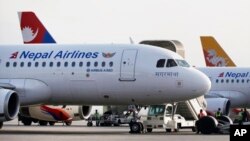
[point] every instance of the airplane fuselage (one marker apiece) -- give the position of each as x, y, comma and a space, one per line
232, 83
97, 74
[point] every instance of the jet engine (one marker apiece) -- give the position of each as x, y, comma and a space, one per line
9, 105
214, 103
85, 111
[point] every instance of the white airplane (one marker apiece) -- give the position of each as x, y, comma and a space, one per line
229, 83
94, 75
230, 88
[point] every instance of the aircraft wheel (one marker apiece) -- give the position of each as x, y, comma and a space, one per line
89, 124
68, 123
207, 125
26, 122
1, 125
135, 127
43, 123
52, 123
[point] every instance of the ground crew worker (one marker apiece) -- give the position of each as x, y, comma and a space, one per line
218, 113
97, 118
200, 115
240, 117
245, 115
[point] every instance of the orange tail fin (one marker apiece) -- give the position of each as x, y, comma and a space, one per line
214, 53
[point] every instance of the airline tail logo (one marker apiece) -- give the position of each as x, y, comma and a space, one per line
213, 59
213, 53
33, 30
221, 74
108, 55
28, 34
14, 55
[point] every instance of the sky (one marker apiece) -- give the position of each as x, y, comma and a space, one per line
114, 21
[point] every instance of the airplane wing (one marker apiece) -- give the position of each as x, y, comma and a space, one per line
7, 86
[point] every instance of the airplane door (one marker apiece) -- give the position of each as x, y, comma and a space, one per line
128, 61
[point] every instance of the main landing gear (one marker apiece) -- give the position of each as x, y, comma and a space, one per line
136, 127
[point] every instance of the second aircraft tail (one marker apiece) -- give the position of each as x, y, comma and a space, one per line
214, 53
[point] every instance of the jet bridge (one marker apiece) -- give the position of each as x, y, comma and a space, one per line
172, 45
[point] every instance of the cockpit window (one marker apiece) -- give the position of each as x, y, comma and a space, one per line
171, 63
182, 63
160, 63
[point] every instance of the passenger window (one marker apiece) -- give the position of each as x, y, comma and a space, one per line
65, 64
44, 64
103, 64
227, 80
51, 64
36, 64
171, 63
14, 64
217, 80
29, 64
111, 64
88, 64
80, 64
237, 80
96, 64
160, 63
21, 64
58, 64
7, 64
232, 80
248, 80
222, 80
242, 81
73, 64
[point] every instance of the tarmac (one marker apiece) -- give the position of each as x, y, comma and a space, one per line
78, 131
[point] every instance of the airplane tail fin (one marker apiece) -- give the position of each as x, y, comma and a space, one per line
214, 53
33, 30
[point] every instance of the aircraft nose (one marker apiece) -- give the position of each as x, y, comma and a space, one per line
201, 84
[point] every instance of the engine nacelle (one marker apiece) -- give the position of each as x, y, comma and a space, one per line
214, 103
85, 111
9, 105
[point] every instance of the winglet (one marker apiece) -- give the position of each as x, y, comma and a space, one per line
33, 30
214, 54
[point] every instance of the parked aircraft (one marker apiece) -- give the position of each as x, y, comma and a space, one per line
94, 75
229, 84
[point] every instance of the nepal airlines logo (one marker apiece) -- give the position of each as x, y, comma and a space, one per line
14, 55
28, 34
56, 55
234, 75
221, 74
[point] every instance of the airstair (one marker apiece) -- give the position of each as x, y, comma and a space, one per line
191, 108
